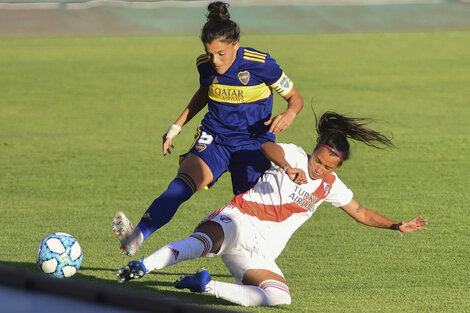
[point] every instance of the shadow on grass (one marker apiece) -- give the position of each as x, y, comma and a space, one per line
150, 284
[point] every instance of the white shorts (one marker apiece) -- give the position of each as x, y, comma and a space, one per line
243, 247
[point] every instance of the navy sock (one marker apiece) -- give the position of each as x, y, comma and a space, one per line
164, 207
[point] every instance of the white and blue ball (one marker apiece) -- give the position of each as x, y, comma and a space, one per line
59, 255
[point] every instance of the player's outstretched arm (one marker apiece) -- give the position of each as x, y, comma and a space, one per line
374, 219
416, 223
281, 122
275, 154
198, 101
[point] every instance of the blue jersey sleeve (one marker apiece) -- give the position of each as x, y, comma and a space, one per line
271, 71
203, 67
272, 74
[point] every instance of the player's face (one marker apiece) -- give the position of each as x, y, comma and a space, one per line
221, 54
322, 163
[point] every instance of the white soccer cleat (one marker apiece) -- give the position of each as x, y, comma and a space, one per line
126, 234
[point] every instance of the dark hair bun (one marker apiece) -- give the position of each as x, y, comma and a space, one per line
218, 11
219, 26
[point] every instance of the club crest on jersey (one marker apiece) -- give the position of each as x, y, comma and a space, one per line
244, 77
326, 188
201, 147
225, 219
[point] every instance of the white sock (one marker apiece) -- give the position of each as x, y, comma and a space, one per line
195, 246
269, 292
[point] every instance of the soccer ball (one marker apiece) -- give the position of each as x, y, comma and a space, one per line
59, 255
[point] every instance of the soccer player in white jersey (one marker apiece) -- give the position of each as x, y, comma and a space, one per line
251, 232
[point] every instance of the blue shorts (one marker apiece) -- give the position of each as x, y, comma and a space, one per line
246, 163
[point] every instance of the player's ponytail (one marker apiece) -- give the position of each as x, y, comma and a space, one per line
334, 130
219, 26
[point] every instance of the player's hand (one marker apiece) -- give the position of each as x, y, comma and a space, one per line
414, 224
281, 122
171, 133
296, 175
167, 145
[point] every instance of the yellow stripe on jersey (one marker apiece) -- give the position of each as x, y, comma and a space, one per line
254, 56
239, 94
253, 59
196, 137
254, 53
202, 56
283, 85
202, 62
202, 59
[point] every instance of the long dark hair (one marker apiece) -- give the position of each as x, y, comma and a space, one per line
334, 130
219, 25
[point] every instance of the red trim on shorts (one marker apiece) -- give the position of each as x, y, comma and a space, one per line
215, 213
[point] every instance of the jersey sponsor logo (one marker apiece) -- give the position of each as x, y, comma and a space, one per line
304, 199
229, 94
239, 94
308, 200
225, 219
244, 77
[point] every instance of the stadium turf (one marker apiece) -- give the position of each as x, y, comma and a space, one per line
81, 120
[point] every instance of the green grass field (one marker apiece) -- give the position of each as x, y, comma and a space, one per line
81, 120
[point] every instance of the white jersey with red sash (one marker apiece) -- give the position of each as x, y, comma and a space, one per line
276, 206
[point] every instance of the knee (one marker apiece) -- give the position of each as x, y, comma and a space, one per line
277, 293
181, 183
215, 232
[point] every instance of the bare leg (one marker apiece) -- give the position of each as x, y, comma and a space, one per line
197, 169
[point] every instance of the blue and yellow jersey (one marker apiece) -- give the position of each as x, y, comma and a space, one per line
241, 99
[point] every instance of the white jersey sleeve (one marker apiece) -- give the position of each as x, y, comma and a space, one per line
340, 195
294, 154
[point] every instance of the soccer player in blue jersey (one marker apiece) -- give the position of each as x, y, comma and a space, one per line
236, 83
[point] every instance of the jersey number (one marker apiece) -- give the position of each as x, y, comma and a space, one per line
205, 138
